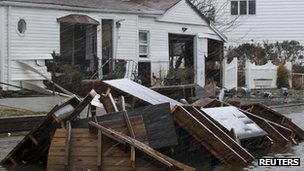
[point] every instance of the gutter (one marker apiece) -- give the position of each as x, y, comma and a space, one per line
1, 45
82, 9
221, 35
9, 8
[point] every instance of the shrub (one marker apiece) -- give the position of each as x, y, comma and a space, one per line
283, 76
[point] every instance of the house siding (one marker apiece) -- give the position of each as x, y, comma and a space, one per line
42, 37
159, 45
2, 42
275, 20
184, 14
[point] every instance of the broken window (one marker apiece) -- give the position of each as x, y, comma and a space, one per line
143, 37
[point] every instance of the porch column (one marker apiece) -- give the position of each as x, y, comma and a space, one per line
201, 52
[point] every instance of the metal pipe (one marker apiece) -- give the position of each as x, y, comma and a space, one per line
9, 44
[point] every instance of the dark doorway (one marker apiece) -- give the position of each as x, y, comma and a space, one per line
78, 46
181, 59
107, 47
144, 73
214, 62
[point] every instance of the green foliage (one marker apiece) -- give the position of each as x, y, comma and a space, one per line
283, 76
278, 52
297, 68
71, 78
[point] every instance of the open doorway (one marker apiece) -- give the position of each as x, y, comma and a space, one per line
78, 40
214, 67
144, 73
107, 47
181, 59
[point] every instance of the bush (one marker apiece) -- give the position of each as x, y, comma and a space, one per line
283, 76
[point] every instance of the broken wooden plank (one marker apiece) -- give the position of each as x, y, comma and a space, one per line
83, 104
132, 135
199, 115
42, 134
108, 102
121, 104
273, 133
269, 114
99, 151
67, 146
20, 123
156, 123
206, 137
142, 147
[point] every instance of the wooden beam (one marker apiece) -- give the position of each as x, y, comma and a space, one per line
269, 128
99, 150
211, 136
108, 102
274, 116
33, 139
67, 146
131, 132
121, 103
87, 100
139, 145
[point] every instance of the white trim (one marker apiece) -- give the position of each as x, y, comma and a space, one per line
177, 22
87, 9
2, 43
9, 9
148, 44
170, 9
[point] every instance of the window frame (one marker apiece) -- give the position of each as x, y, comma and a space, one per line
21, 33
248, 9
147, 44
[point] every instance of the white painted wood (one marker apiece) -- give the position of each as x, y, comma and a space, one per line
254, 73
2, 14
199, 62
182, 13
159, 45
275, 20
230, 75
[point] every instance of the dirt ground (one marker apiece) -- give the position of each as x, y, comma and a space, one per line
6, 111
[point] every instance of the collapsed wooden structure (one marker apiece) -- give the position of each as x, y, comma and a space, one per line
144, 130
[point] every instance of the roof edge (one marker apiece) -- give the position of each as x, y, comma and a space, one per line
78, 8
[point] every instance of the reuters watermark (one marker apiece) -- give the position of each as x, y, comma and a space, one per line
279, 162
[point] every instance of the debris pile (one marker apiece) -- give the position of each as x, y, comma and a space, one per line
131, 127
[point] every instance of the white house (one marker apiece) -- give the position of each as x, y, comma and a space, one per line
262, 20
88, 33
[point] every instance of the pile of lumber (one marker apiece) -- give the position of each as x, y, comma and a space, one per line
131, 127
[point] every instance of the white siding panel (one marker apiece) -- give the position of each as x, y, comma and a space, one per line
127, 38
2, 43
159, 45
20, 74
41, 36
183, 13
275, 20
